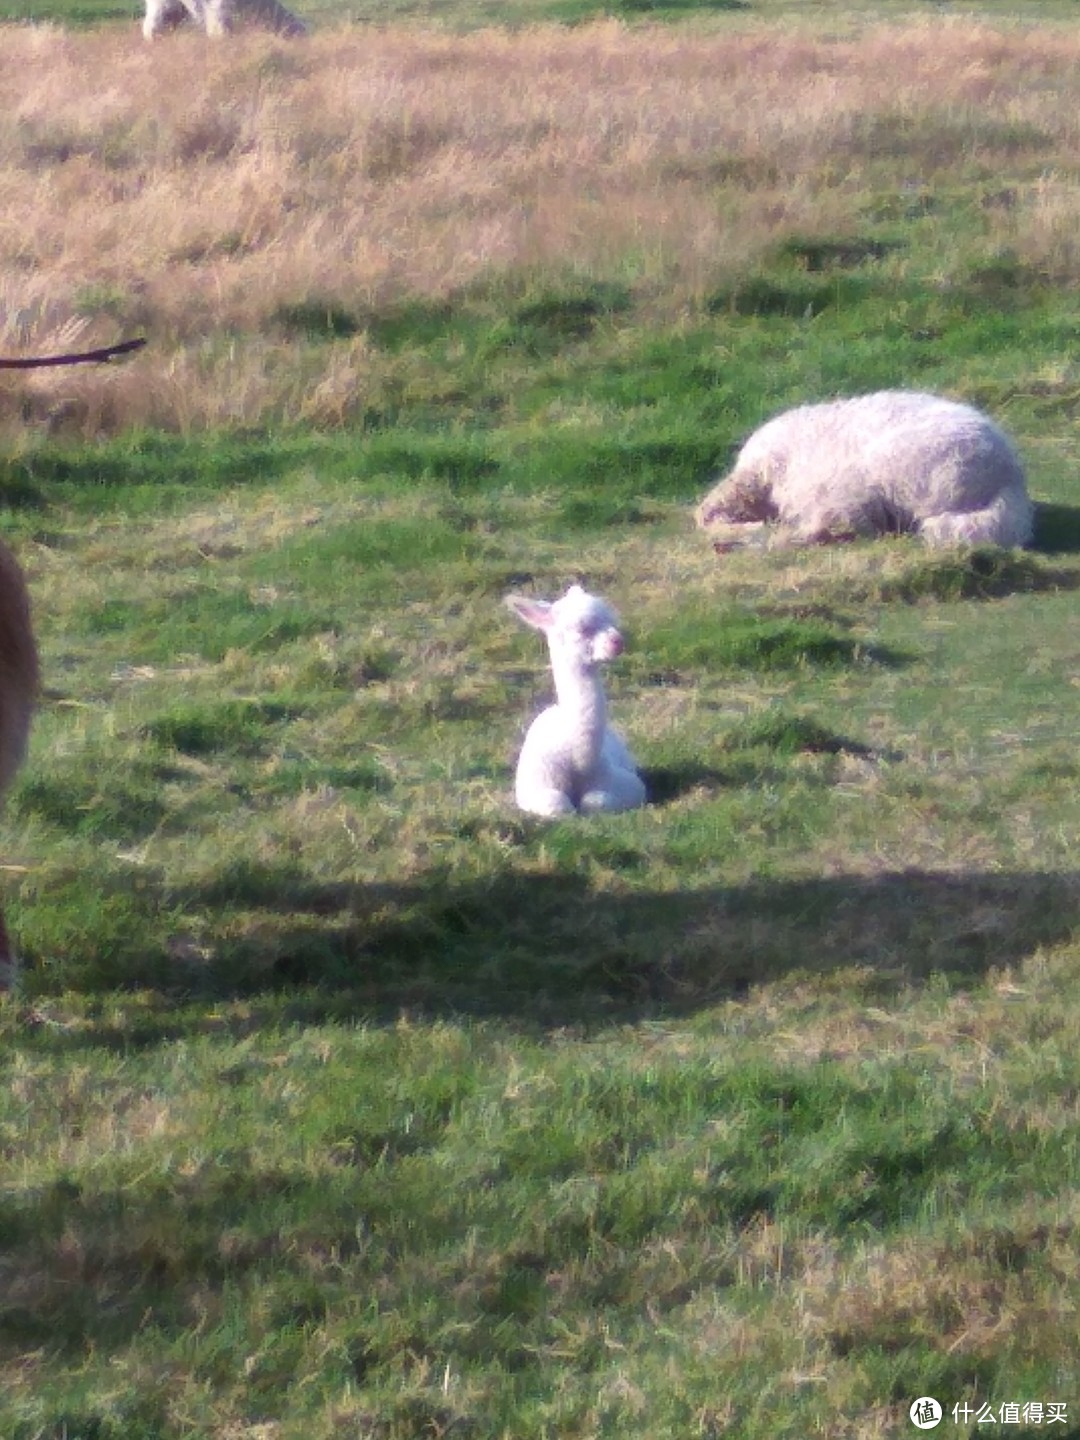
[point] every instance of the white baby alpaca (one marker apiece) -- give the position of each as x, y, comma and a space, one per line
894, 462
571, 760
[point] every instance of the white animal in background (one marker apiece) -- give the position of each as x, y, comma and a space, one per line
571, 760
218, 17
18, 694
894, 462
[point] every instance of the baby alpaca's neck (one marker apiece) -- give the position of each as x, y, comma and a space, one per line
581, 699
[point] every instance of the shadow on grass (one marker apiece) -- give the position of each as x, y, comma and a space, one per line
17, 491
751, 744
563, 943
282, 1250
83, 1265
1057, 529
983, 573
553, 949
761, 641
149, 459
579, 11
665, 783
153, 1251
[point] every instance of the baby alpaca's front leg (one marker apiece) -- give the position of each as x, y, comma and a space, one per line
595, 802
537, 800
614, 790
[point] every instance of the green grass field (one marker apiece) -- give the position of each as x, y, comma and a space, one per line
340, 1100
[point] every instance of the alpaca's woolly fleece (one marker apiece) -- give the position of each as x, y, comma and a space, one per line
218, 17
894, 462
571, 760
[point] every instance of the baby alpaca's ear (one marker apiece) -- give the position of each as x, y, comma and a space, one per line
536, 613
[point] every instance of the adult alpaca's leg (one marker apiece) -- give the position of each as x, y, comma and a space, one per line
168, 14
273, 16
216, 17
155, 19
18, 692
621, 790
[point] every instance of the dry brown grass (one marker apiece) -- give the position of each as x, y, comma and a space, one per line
193, 191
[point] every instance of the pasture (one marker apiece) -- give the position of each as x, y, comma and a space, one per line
341, 1100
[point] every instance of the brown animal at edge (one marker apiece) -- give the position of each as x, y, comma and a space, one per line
18, 693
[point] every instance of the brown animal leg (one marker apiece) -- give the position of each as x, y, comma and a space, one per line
7, 959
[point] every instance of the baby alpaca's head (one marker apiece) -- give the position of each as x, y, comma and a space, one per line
577, 624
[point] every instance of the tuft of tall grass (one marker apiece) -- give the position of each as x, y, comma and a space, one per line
306, 236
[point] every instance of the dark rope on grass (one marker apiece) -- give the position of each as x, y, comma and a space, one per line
81, 357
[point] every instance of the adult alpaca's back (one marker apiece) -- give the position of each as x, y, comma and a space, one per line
892, 462
571, 760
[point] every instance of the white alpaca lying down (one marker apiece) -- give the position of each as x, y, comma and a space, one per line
217, 17
890, 463
571, 760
